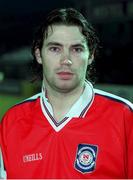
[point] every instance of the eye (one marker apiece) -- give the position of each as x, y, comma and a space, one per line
77, 49
54, 49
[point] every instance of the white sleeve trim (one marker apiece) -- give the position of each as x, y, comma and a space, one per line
114, 97
2, 170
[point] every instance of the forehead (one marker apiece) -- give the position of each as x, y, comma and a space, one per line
67, 34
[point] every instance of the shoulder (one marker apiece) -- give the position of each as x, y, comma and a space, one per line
113, 99
22, 109
27, 103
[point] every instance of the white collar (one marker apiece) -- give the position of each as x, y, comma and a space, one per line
78, 109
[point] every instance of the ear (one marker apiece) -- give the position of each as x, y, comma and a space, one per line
38, 55
91, 58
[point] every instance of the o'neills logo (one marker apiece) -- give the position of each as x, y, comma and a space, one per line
32, 157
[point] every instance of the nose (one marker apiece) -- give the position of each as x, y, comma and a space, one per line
65, 59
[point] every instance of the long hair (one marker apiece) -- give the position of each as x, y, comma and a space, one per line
68, 16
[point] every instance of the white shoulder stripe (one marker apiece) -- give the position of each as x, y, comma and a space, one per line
33, 97
101, 92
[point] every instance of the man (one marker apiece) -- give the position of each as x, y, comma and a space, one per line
70, 129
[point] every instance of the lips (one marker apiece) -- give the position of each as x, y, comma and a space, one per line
65, 75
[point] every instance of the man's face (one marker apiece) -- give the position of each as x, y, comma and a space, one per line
64, 57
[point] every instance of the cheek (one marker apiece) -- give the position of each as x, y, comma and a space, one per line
51, 59
81, 62
85, 59
82, 67
49, 66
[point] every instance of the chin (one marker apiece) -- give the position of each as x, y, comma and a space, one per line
66, 87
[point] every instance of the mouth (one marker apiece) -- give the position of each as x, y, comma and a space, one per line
65, 75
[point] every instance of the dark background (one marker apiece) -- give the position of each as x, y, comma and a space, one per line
113, 20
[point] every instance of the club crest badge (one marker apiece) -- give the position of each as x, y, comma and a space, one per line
86, 158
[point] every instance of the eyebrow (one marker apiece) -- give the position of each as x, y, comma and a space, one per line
73, 45
78, 45
53, 44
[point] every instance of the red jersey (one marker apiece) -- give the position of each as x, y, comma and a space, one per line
96, 144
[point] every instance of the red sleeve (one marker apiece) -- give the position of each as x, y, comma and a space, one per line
6, 124
129, 140
3, 141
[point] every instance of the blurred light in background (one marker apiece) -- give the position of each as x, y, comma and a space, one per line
1, 76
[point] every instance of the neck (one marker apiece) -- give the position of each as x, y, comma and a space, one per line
55, 96
62, 101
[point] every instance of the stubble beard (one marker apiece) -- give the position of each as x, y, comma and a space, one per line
63, 87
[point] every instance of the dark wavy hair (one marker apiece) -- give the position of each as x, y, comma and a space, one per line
66, 16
